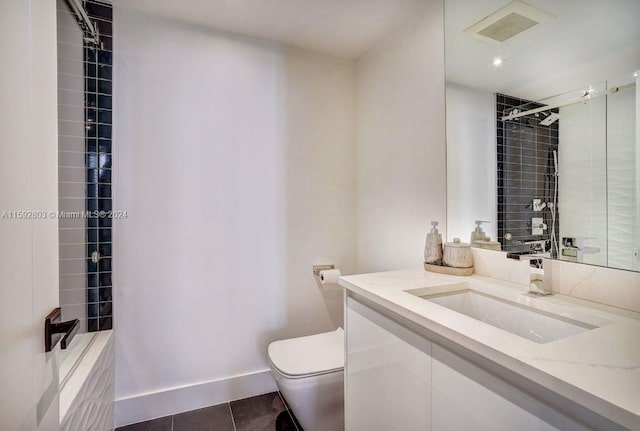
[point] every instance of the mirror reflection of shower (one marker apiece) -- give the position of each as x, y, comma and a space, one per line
528, 136
532, 139
85, 43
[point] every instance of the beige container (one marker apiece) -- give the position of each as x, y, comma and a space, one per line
457, 254
433, 246
433, 249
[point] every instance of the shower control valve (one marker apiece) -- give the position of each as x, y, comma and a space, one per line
538, 226
95, 256
538, 205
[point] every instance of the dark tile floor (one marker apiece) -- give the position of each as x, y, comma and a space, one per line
262, 413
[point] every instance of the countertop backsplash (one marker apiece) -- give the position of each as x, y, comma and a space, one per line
614, 287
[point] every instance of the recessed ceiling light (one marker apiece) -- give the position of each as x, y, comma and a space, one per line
635, 74
497, 61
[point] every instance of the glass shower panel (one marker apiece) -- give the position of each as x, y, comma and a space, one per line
622, 176
72, 184
583, 181
85, 162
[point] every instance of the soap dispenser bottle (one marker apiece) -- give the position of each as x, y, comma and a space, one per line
478, 234
433, 246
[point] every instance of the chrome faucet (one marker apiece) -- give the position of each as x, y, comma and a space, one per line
540, 276
540, 273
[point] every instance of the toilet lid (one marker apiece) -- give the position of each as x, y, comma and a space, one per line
312, 355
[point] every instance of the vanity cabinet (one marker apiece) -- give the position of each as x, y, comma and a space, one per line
397, 379
465, 397
387, 374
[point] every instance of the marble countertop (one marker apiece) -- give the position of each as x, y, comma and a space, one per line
598, 369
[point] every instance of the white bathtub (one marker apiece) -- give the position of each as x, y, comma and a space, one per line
86, 383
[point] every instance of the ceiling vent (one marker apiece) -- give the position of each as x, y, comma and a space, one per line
512, 20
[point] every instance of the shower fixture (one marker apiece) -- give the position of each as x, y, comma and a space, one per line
585, 96
538, 204
553, 207
91, 33
552, 118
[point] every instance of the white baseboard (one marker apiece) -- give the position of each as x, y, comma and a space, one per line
185, 398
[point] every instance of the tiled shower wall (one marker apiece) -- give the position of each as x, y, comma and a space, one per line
525, 169
84, 114
98, 101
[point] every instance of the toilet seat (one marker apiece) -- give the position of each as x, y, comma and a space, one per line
313, 355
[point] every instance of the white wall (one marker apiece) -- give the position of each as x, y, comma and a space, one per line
401, 172
471, 161
28, 181
235, 159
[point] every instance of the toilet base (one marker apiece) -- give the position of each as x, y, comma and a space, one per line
286, 421
316, 401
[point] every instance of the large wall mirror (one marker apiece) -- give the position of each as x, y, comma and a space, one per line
542, 114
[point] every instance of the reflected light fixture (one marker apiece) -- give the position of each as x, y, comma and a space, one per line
497, 62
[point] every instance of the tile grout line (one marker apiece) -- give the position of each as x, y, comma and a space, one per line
233, 421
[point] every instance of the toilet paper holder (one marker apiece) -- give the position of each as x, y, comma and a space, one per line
318, 268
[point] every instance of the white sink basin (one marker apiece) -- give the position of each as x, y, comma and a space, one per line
530, 323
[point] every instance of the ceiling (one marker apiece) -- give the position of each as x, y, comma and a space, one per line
586, 42
344, 28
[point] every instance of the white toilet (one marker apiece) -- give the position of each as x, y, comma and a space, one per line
310, 374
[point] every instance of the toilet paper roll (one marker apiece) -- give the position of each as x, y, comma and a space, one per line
329, 276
